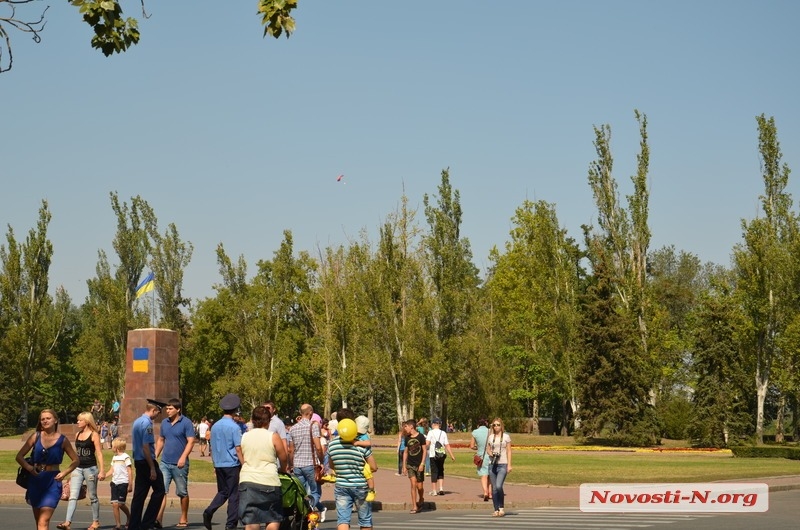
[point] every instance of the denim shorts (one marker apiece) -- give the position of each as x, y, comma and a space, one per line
179, 475
260, 504
349, 499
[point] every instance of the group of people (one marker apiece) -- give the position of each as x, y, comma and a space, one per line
45, 487
247, 466
247, 463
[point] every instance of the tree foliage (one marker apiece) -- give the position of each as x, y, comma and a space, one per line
112, 32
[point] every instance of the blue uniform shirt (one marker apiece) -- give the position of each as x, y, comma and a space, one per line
143, 434
226, 436
175, 438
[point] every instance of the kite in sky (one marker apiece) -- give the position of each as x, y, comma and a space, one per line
340, 178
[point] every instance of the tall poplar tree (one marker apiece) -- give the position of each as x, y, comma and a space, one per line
619, 249
766, 267
454, 279
32, 321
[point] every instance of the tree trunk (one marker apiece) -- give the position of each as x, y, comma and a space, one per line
779, 421
371, 409
761, 394
535, 418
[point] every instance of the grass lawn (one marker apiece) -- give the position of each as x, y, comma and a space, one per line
563, 468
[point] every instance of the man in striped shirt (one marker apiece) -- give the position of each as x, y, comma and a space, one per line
350, 490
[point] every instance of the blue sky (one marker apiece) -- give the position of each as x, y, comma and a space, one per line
235, 138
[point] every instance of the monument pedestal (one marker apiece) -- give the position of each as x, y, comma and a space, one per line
151, 371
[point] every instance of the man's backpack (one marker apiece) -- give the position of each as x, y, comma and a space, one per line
438, 450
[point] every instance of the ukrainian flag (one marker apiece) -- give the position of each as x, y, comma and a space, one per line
141, 359
147, 285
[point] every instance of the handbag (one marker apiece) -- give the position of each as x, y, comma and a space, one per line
65, 491
478, 460
319, 469
23, 475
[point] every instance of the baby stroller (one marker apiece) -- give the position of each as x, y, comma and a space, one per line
296, 505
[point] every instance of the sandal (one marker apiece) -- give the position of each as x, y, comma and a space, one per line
64, 526
414, 511
182, 525
496, 514
94, 526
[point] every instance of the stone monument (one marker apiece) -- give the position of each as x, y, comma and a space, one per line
151, 371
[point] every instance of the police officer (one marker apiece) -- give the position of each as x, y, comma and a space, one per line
148, 475
226, 455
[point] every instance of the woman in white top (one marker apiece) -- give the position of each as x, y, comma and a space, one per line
498, 451
260, 500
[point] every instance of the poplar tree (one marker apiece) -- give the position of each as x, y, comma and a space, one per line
618, 250
766, 268
534, 286
454, 281
31, 321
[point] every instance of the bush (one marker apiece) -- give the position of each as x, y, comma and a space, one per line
766, 451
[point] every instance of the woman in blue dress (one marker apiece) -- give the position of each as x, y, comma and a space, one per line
44, 485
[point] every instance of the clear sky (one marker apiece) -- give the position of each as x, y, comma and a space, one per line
235, 138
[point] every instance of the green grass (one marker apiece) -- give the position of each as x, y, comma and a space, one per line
562, 468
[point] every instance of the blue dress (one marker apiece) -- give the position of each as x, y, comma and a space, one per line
44, 491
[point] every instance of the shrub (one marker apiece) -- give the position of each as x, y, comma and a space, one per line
766, 451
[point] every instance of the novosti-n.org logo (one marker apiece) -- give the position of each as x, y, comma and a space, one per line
712, 497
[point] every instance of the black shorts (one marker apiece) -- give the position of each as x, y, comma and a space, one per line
119, 493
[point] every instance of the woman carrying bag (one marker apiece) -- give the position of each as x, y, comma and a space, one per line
44, 483
90, 468
478, 444
498, 450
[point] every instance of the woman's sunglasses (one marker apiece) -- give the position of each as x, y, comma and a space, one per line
495, 425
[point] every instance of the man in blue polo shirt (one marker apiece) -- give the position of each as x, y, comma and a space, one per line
148, 475
174, 445
226, 455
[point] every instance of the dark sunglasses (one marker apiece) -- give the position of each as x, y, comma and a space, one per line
495, 425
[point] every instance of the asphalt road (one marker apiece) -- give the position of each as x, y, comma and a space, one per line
782, 514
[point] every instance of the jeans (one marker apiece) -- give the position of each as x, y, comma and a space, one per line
89, 474
348, 498
497, 476
179, 475
305, 475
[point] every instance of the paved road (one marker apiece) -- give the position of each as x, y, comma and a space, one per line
781, 516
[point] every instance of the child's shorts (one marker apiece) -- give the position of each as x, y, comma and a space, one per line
119, 493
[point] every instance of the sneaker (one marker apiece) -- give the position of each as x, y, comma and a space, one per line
322, 515
441, 492
207, 520
432, 494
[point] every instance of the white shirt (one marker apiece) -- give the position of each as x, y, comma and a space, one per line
120, 464
435, 435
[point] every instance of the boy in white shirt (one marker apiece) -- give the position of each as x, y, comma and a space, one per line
121, 480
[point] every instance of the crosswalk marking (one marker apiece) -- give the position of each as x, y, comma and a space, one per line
541, 518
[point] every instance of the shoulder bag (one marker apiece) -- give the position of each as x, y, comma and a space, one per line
23, 475
478, 460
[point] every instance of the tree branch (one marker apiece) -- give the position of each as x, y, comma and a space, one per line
33, 27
